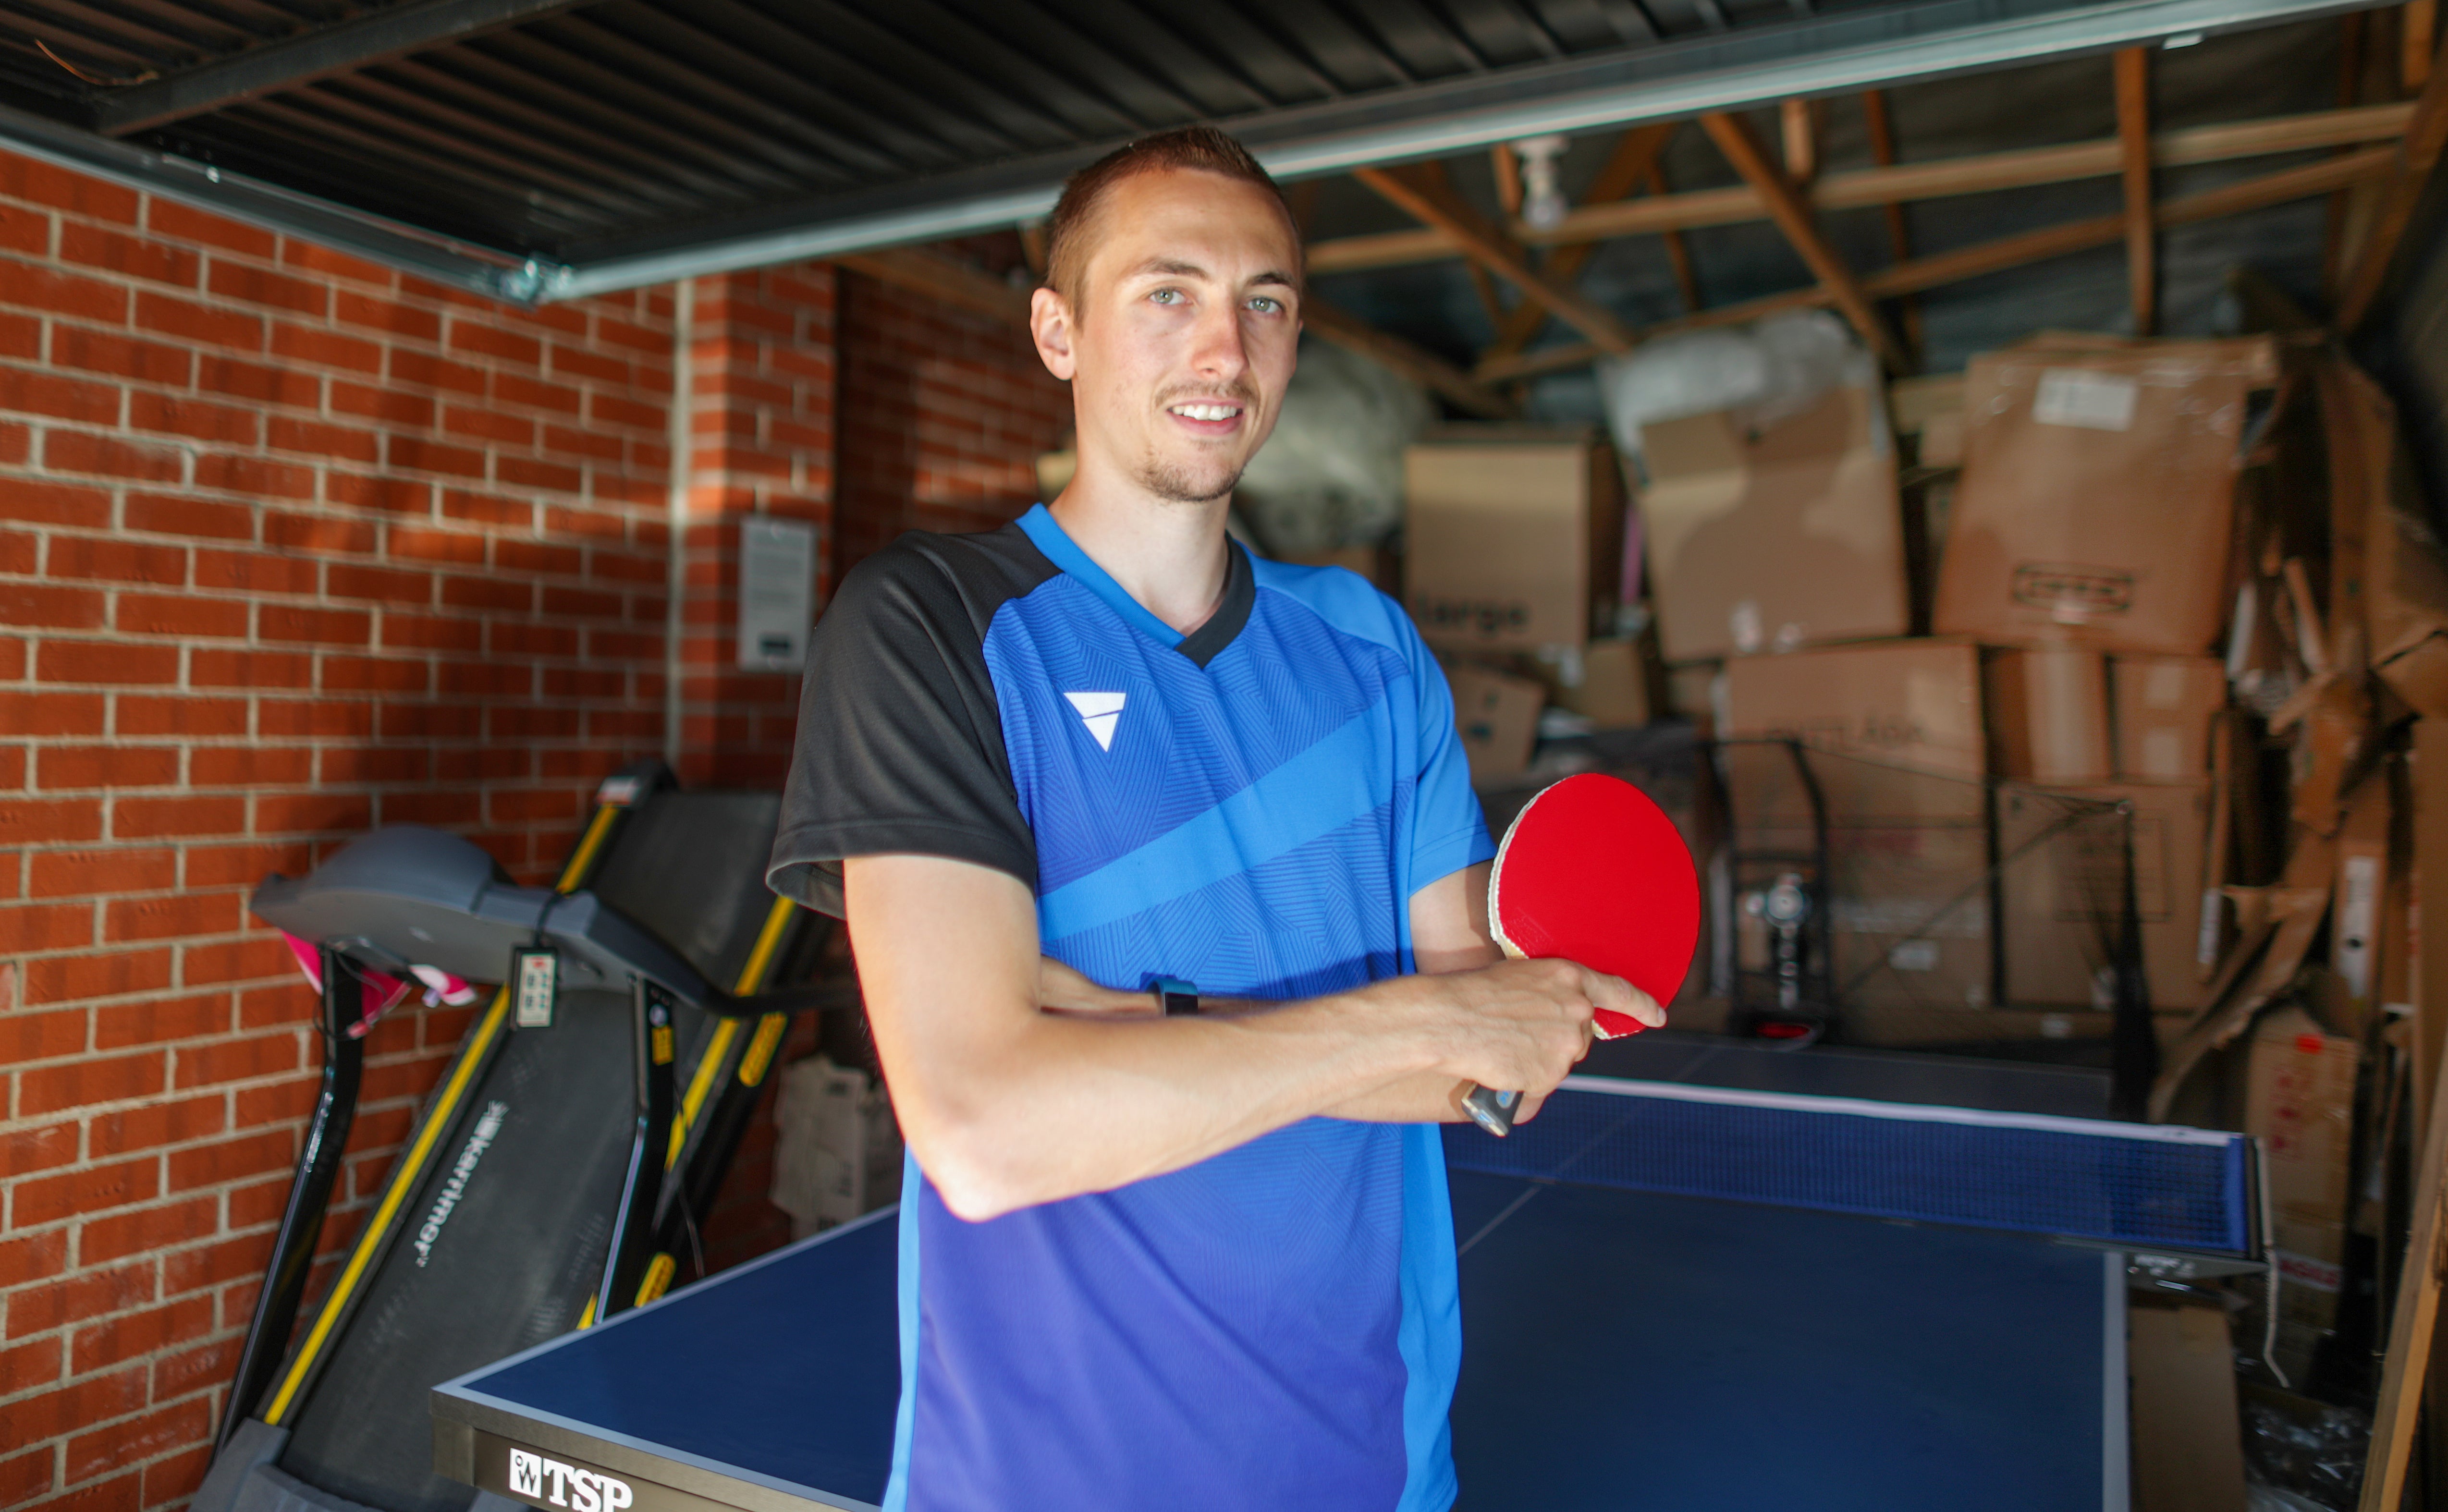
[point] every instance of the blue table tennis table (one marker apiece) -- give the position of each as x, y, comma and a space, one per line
1673, 1298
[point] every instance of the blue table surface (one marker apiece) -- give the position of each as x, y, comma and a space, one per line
1620, 1349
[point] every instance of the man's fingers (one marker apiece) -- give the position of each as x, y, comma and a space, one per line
1615, 995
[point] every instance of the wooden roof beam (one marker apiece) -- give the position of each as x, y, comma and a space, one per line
1635, 159
1426, 198
2418, 153
2133, 138
1861, 187
1792, 216
1348, 330
1982, 259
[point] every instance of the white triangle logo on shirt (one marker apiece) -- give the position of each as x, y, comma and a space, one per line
1100, 711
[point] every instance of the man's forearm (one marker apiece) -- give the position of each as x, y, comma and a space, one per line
1072, 1103
1425, 1097
1006, 1103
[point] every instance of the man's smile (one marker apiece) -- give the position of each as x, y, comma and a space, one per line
1213, 417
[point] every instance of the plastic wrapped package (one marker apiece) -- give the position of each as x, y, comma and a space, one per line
1769, 370
1331, 475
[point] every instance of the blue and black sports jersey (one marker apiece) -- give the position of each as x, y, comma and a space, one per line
1249, 807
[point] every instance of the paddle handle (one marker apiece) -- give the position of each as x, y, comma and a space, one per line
1491, 1110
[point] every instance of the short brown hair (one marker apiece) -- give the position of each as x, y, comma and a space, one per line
1197, 149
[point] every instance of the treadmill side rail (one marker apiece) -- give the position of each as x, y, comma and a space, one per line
632, 1249
310, 1194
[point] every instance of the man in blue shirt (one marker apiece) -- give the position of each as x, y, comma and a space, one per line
1167, 888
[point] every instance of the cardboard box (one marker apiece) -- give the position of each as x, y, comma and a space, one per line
1931, 408
1513, 537
1497, 714
2299, 1103
1901, 718
2404, 572
1692, 692
2060, 897
2187, 1444
2164, 707
1608, 681
837, 1149
2098, 494
2048, 713
1908, 916
2358, 907
1771, 538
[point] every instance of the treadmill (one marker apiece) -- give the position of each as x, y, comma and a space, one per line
556, 1173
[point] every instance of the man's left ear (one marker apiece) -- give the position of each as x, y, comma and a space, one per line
1049, 326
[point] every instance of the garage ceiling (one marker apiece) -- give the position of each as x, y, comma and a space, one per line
540, 148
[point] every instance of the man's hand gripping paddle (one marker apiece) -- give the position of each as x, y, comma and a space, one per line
1591, 870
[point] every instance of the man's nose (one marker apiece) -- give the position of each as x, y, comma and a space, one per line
1216, 347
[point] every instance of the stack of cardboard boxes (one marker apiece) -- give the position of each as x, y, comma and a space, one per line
1513, 572
2187, 583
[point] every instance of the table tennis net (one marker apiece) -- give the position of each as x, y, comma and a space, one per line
2147, 1185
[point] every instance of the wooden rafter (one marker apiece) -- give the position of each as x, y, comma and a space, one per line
1347, 330
2353, 28
1634, 158
1882, 131
2133, 137
1427, 199
1792, 216
2418, 153
1922, 273
1861, 188
2413, 1319
1678, 252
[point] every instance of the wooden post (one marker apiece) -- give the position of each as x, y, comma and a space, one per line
1882, 129
2418, 44
2133, 137
1678, 252
2415, 1319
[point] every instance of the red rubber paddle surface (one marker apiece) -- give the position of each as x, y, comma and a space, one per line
1592, 870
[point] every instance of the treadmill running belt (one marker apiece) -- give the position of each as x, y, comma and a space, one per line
499, 1252
691, 867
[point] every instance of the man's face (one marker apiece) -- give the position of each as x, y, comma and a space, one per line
1186, 332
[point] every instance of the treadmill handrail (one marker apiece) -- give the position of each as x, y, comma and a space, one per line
453, 912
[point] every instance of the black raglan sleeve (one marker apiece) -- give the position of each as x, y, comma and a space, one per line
900, 746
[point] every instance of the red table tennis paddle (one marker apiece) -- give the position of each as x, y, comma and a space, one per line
1592, 870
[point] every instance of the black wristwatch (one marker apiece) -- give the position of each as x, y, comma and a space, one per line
1174, 998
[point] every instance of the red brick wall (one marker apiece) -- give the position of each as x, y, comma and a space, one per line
949, 411
289, 546
761, 380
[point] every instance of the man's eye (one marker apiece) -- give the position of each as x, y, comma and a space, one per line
1166, 297
1266, 304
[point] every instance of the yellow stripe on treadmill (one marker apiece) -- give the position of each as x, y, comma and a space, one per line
596, 830
402, 1182
405, 1176
659, 1278
709, 1065
760, 1049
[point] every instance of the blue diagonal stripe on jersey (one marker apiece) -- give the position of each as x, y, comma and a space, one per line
1315, 793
